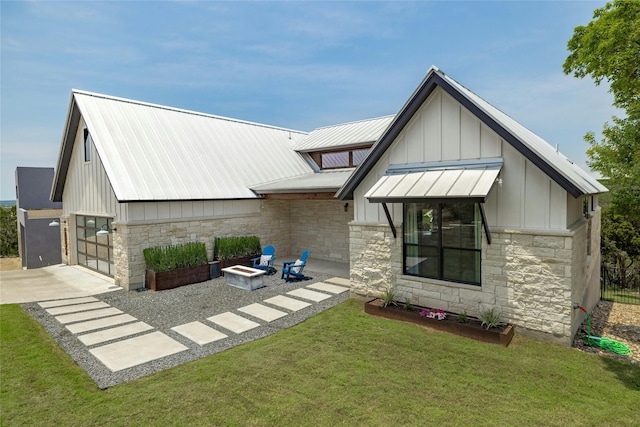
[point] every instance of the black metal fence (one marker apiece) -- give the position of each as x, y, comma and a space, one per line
620, 284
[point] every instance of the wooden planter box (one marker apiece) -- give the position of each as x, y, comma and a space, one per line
178, 277
245, 260
473, 329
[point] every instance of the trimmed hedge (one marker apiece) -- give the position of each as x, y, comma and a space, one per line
236, 247
165, 258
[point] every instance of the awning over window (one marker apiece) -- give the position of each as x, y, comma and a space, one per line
447, 182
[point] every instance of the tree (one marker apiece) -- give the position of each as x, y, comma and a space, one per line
608, 48
8, 231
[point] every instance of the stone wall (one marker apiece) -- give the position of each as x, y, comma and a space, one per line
527, 275
322, 226
271, 225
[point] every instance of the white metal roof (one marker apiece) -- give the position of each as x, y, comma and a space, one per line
323, 181
344, 135
459, 181
578, 176
152, 152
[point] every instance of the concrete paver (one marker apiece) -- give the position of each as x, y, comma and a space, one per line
328, 287
233, 322
86, 315
340, 281
308, 295
199, 333
111, 334
263, 312
104, 322
71, 301
288, 303
66, 309
136, 351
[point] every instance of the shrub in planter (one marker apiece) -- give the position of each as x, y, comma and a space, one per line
172, 266
236, 250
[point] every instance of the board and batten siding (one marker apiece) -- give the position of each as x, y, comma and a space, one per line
87, 190
442, 129
185, 210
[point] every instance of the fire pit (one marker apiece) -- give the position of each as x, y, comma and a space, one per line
246, 278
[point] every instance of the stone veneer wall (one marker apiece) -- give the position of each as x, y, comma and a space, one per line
271, 225
322, 226
528, 275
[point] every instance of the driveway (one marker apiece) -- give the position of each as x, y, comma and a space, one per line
53, 282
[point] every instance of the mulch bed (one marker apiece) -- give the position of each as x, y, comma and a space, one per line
617, 321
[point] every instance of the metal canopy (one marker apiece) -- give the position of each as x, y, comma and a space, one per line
454, 181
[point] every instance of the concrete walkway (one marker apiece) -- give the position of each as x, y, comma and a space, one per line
120, 341
53, 282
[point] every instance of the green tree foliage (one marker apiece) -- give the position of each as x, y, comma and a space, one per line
608, 48
620, 244
8, 231
617, 157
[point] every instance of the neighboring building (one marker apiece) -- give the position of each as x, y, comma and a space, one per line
451, 201
38, 243
461, 208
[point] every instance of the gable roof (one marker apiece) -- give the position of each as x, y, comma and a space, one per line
569, 176
345, 135
153, 153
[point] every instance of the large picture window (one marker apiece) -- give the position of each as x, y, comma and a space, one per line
443, 241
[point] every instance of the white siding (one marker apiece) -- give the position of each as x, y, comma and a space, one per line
165, 211
442, 129
87, 189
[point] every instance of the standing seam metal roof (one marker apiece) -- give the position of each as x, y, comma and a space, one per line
345, 135
152, 152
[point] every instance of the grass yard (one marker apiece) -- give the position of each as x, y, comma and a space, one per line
341, 367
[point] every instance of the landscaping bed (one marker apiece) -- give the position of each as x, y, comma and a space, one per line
462, 325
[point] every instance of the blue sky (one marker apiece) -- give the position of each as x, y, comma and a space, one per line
298, 65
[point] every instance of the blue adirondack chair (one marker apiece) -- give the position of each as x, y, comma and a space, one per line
293, 269
265, 262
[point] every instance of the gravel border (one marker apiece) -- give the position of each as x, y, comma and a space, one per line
164, 310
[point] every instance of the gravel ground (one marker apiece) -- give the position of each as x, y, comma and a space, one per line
617, 321
166, 309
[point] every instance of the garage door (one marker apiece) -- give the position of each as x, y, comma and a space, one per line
95, 243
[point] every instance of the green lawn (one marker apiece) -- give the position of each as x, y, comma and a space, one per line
341, 367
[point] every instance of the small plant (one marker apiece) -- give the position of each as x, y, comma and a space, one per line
407, 305
434, 314
491, 318
388, 297
463, 318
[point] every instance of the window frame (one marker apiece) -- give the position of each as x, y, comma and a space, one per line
87, 146
440, 245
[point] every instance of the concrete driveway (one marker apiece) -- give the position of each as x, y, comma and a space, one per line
53, 282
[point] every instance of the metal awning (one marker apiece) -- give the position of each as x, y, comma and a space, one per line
467, 181
448, 182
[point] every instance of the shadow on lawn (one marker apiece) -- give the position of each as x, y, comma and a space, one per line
628, 374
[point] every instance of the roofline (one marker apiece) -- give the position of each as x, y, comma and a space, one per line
180, 110
339, 147
354, 122
66, 147
420, 95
